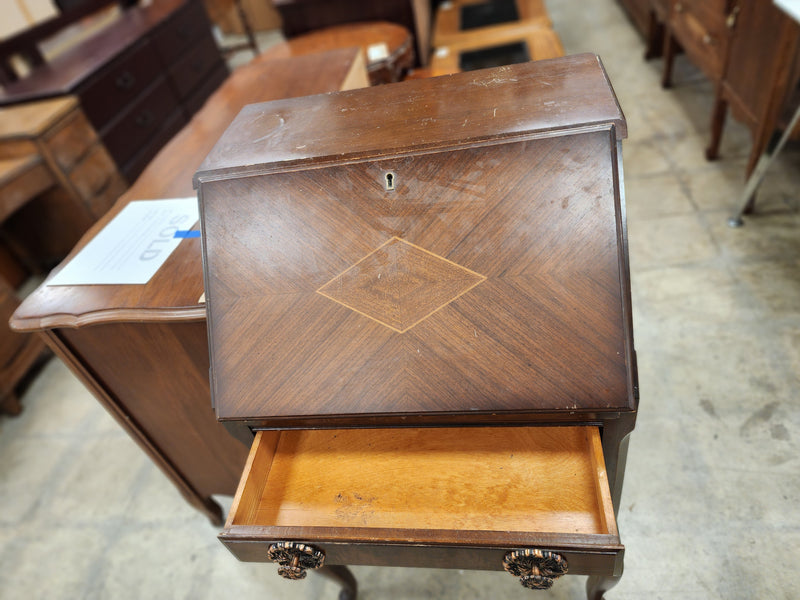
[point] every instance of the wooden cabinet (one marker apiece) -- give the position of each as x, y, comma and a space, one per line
139, 80
450, 252
18, 352
148, 90
82, 181
765, 48
735, 44
703, 29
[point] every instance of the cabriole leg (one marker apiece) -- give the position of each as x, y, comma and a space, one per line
596, 586
344, 577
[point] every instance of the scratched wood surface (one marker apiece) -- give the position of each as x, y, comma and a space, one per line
490, 281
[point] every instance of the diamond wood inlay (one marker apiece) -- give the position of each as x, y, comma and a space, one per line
400, 284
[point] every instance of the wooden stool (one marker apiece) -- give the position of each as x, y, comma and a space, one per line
455, 19
388, 47
500, 46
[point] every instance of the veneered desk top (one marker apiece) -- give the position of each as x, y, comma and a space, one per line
173, 293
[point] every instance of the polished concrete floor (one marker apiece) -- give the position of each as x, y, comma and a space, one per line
711, 506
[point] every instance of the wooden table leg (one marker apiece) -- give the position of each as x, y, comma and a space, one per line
717, 123
669, 58
344, 577
615, 448
596, 586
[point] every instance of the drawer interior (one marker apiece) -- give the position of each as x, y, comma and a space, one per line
511, 479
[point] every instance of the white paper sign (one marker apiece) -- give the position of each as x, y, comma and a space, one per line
132, 247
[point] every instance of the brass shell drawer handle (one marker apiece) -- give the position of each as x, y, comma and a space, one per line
294, 558
536, 569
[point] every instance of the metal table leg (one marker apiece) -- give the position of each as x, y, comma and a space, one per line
748, 198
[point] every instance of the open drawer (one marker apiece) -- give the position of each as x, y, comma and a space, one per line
449, 498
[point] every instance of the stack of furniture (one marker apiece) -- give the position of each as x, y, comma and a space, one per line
475, 34
136, 80
424, 317
748, 49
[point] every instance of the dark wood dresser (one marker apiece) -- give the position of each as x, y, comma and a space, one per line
418, 300
139, 80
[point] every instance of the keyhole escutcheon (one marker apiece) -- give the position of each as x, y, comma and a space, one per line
390, 181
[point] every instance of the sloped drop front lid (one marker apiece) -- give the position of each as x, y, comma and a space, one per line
485, 280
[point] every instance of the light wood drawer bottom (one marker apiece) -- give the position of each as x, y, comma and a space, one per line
446, 498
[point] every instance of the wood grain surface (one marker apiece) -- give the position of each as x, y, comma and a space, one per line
423, 114
482, 479
492, 280
458, 495
173, 293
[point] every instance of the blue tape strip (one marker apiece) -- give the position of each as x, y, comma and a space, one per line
187, 234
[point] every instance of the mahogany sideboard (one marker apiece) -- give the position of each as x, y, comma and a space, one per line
418, 297
135, 80
142, 349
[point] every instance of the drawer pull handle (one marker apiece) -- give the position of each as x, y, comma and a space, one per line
731, 20
294, 558
125, 81
145, 118
536, 569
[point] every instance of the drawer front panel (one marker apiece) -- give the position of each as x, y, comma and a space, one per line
107, 95
93, 173
139, 161
581, 561
198, 97
71, 141
100, 203
181, 32
141, 123
187, 72
700, 28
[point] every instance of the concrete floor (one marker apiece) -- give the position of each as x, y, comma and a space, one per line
711, 503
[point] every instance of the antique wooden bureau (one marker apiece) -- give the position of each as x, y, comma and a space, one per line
418, 299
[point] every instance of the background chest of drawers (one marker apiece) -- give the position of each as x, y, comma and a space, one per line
136, 79
449, 253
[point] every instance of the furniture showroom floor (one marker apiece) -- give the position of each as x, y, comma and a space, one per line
711, 506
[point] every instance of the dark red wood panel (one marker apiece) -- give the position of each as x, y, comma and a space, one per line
487, 281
